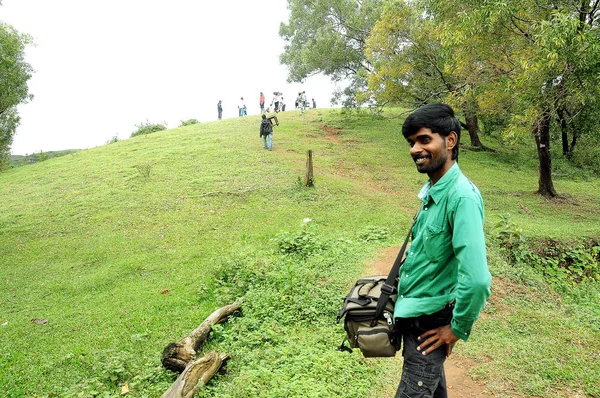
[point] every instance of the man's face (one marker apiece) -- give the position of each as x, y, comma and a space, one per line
429, 152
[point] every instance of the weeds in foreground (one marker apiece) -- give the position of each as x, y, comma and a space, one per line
144, 169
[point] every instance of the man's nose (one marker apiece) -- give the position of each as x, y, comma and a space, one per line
415, 149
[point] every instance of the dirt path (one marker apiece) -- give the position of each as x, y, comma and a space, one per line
460, 384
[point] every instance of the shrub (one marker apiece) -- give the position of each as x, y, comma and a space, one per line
148, 128
188, 122
303, 243
375, 234
587, 158
576, 261
113, 139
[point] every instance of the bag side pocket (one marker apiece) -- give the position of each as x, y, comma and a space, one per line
378, 341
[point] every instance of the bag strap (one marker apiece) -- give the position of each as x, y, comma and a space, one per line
389, 286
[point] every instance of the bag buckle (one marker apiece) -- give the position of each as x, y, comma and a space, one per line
388, 318
387, 289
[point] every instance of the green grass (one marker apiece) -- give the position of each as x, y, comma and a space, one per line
89, 241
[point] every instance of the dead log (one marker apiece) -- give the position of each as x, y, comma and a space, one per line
196, 375
176, 356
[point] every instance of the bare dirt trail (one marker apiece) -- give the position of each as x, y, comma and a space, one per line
460, 384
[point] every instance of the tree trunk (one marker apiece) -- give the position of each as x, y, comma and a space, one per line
473, 128
196, 375
562, 122
176, 356
573, 142
541, 132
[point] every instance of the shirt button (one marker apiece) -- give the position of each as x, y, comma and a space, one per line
412, 253
407, 275
401, 296
426, 208
427, 237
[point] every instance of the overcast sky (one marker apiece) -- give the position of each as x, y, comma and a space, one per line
104, 67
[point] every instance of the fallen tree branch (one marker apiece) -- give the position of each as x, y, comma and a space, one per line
196, 375
176, 356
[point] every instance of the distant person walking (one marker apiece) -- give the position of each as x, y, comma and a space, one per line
314, 103
275, 101
303, 102
242, 107
220, 110
266, 131
262, 102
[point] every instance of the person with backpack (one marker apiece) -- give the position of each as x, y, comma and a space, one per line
266, 131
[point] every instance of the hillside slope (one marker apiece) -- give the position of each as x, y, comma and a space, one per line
127, 247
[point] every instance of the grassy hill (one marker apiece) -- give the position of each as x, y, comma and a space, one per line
127, 247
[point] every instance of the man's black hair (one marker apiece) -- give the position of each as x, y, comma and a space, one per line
438, 117
264, 116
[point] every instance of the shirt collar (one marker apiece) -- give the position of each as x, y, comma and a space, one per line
436, 192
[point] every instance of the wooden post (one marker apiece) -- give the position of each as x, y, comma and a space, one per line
309, 179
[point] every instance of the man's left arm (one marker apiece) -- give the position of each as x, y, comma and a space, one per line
474, 278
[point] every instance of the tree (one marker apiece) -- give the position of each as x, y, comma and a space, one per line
329, 37
411, 66
14, 74
548, 54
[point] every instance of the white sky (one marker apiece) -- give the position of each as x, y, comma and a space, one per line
104, 66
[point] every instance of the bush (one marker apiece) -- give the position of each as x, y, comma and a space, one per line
576, 261
372, 233
113, 139
303, 243
148, 128
188, 122
587, 158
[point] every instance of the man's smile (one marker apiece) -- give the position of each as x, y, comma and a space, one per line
420, 159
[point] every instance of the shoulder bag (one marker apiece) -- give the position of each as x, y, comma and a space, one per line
368, 312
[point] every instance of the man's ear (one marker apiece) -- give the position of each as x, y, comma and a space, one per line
451, 140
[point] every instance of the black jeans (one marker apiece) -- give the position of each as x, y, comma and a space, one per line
422, 375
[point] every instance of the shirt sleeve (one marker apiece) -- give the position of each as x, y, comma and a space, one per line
474, 278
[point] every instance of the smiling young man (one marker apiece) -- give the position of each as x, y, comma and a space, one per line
444, 281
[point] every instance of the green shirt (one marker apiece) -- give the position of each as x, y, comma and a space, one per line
446, 260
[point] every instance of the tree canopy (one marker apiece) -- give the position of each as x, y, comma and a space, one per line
14, 74
538, 63
531, 67
329, 37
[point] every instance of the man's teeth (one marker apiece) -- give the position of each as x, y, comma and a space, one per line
420, 160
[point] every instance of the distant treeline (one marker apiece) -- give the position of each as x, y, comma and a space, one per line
20, 160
